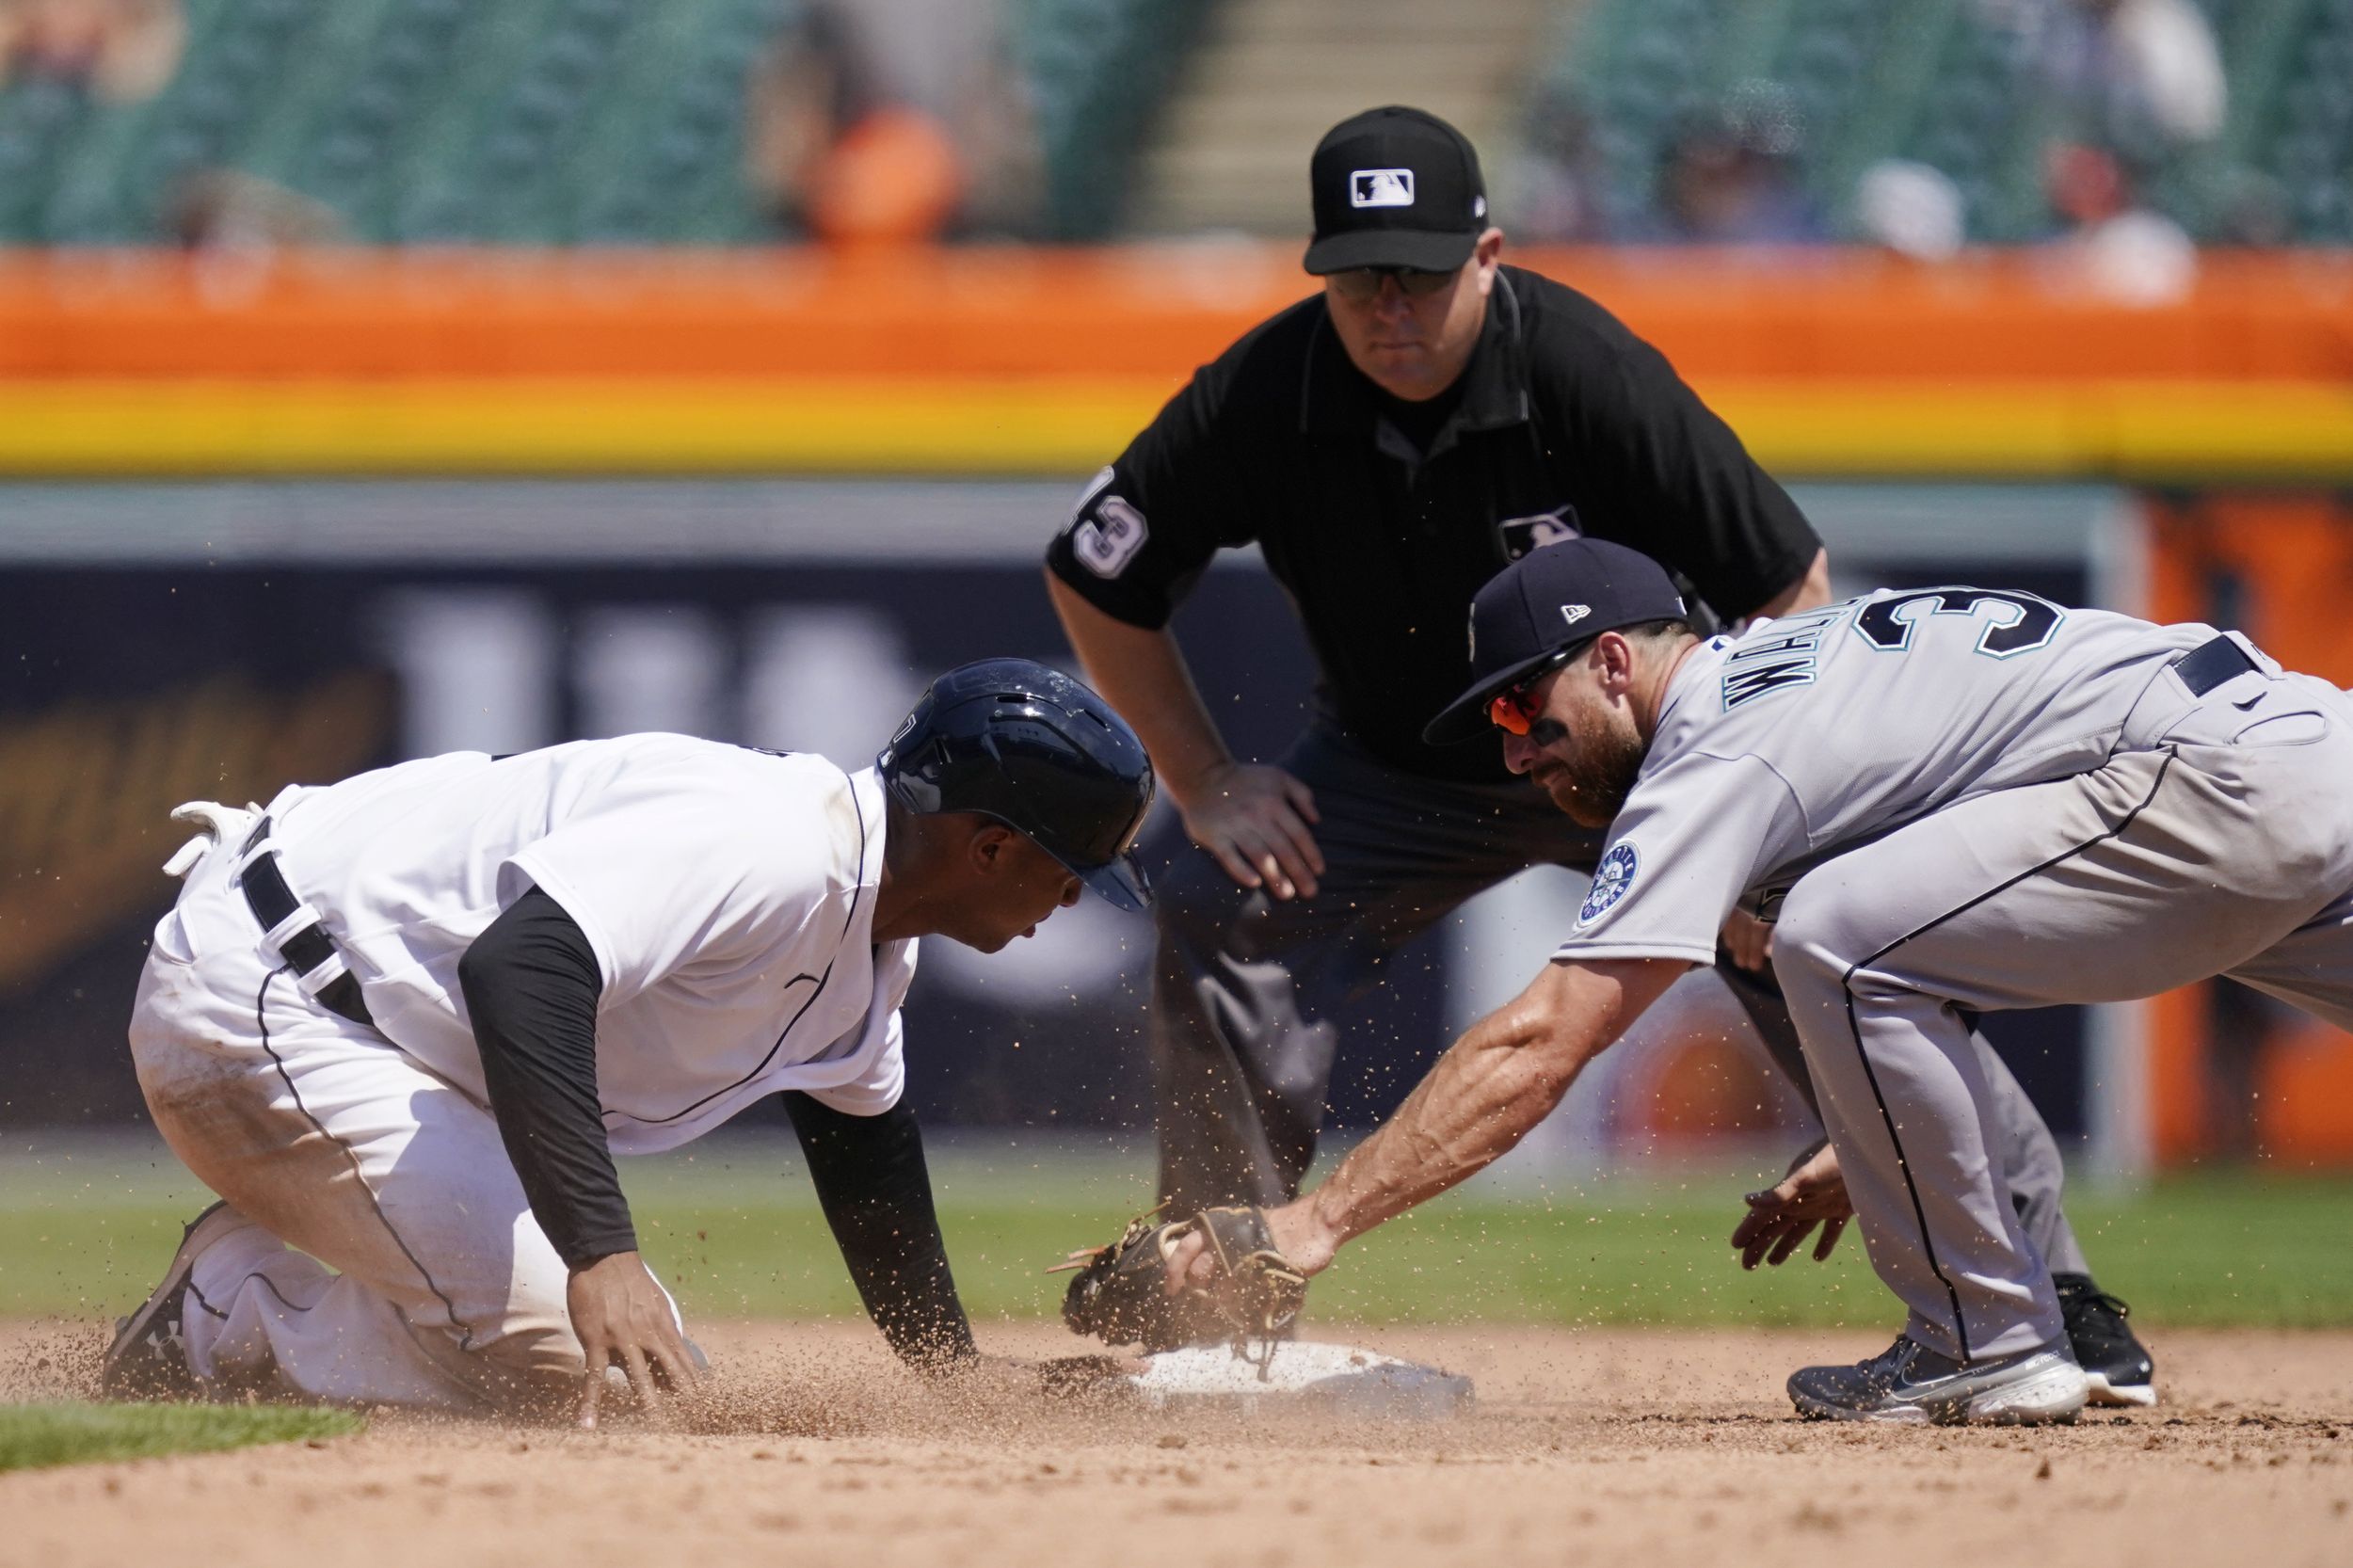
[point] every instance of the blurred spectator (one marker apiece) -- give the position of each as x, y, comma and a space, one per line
121, 51
227, 209
1912, 209
1552, 187
2140, 78
2116, 247
893, 121
1730, 177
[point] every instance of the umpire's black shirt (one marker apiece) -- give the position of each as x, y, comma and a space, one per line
1563, 421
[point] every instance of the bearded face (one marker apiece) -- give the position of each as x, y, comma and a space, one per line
1586, 761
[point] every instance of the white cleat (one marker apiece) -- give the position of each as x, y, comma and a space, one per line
2104, 1390
1910, 1383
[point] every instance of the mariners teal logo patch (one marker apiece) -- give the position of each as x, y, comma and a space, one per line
1611, 878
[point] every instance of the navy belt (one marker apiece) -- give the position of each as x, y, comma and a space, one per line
305, 950
2210, 664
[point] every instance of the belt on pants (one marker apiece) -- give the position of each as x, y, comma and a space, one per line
307, 949
2211, 663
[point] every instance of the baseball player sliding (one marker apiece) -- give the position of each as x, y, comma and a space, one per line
401, 1025
1947, 801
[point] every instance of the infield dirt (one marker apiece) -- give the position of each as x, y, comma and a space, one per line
1588, 1446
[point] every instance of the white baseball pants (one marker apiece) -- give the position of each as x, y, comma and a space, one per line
419, 1276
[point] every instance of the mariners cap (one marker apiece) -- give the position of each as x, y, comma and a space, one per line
1395, 187
1027, 746
1559, 597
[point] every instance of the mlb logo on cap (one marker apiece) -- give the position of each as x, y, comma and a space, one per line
1395, 187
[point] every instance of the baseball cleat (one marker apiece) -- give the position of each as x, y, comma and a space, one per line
148, 1357
2116, 1364
1910, 1383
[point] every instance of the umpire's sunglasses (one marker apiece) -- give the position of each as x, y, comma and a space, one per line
1364, 283
1510, 709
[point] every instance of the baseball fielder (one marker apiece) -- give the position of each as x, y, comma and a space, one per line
402, 1023
1947, 801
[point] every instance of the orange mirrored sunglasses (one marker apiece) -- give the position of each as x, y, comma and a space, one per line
1511, 710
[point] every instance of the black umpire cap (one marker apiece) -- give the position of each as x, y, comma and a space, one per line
1395, 187
1546, 605
1029, 747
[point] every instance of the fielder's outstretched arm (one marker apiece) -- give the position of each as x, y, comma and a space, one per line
1492, 1086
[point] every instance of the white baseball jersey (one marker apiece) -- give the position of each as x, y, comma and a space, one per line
1811, 734
728, 895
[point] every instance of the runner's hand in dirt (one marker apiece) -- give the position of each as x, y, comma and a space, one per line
621, 1317
1257, 821
1779, 1218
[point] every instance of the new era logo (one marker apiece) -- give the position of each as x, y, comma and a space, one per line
1575, 613
1381, 188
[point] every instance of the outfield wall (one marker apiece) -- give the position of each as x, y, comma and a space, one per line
1014, 361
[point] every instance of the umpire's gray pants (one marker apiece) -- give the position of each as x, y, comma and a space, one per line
2218, 840
1247, 986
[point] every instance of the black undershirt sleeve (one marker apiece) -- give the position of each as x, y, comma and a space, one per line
876, 1193
532, 984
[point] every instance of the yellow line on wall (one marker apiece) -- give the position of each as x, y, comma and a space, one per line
1798, 427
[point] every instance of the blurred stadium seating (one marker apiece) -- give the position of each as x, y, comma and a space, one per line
1947, 83
522, 122
608, 121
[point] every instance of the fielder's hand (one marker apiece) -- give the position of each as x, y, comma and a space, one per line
1778, 1221
622, 1319
1257, 821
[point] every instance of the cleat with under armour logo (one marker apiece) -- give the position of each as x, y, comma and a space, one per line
148, 1357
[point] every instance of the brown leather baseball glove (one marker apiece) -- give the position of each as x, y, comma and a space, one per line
1120, 1294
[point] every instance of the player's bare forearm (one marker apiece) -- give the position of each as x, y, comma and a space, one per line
1144, 673
1811, 589
1485, 1094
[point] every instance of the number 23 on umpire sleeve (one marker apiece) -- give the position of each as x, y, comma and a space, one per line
1109, 540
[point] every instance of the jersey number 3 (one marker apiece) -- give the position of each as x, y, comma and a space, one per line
1109, 540
2020, 622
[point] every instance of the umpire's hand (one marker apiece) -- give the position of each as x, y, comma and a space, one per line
1256, 819
622, 1319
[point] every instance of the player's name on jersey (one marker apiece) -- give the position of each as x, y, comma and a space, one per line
1778, 655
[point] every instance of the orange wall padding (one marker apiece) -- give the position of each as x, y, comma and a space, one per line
1129, 312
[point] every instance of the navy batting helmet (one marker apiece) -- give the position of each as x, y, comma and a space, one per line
1033, 749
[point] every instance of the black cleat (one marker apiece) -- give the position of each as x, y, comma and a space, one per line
1909, 1383
149, 1358
2116, 1364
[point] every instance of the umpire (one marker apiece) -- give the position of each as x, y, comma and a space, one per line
1390, 445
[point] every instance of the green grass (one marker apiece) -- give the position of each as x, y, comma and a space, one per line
33, 1436
730, 1225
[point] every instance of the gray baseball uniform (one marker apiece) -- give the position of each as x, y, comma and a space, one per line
1957, 800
